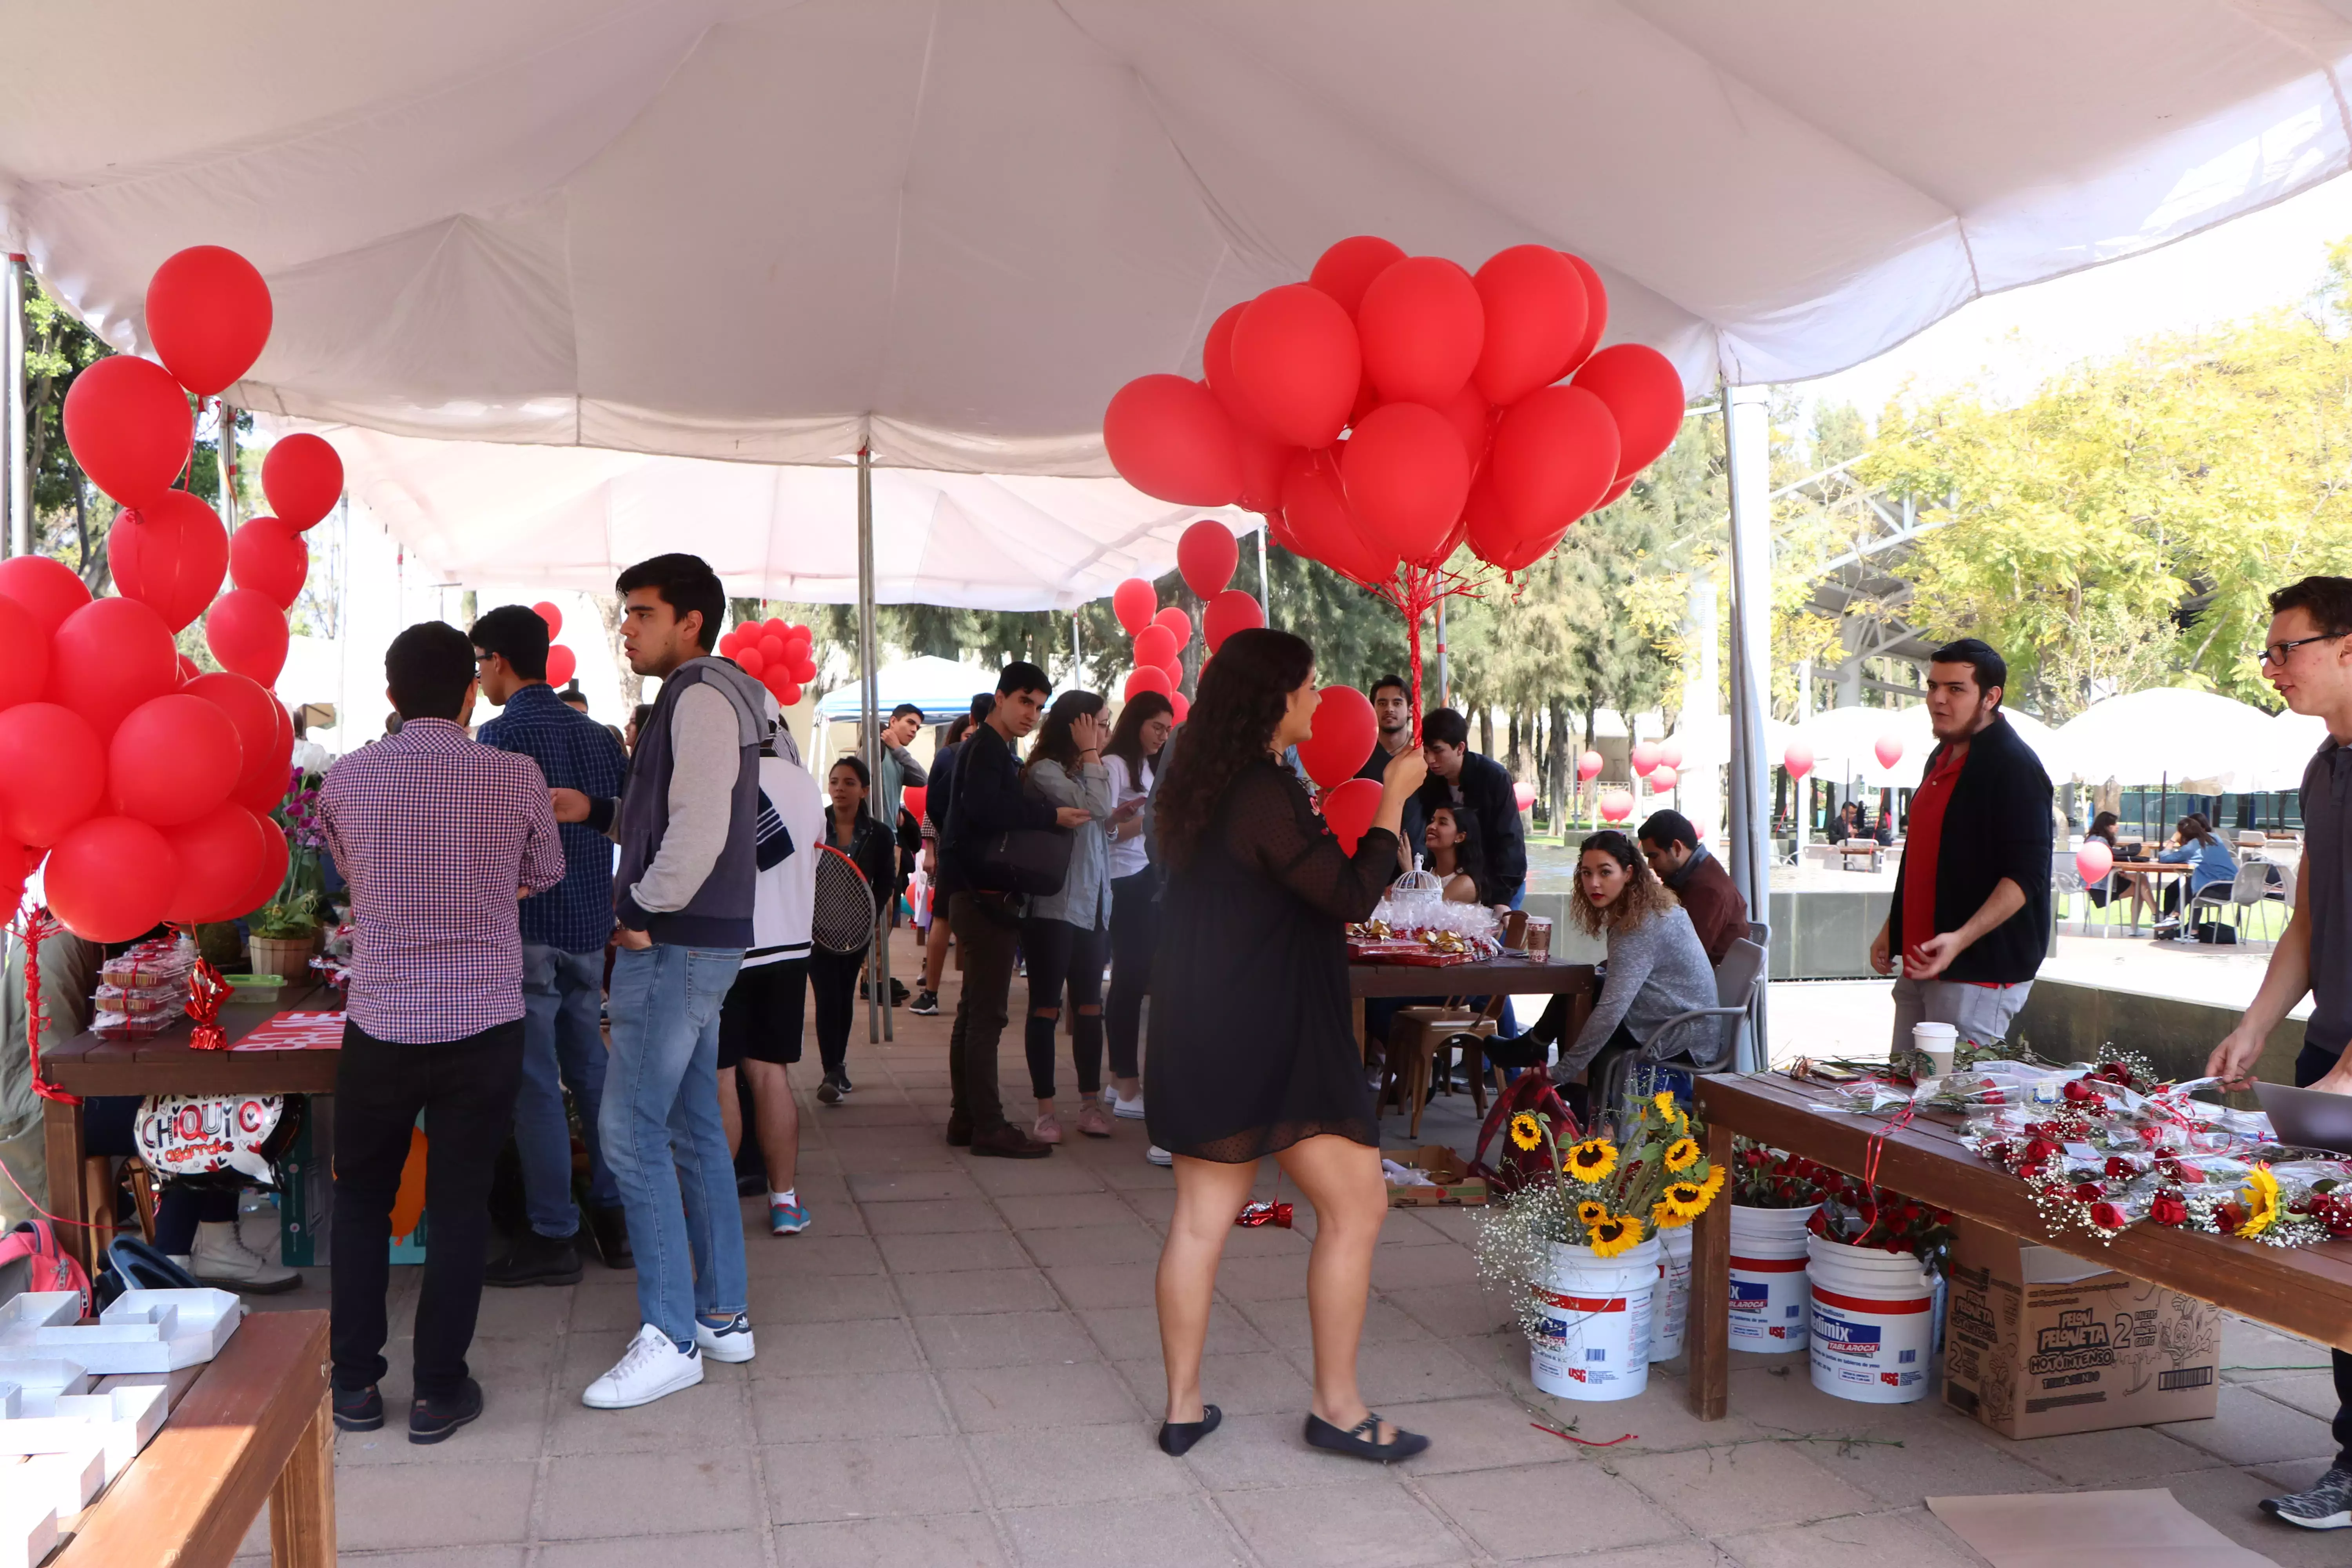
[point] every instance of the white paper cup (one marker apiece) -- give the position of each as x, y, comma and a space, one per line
1938, 1042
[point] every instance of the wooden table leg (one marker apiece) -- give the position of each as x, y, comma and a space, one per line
1709, 1319
62, 1150
1363, 1031
302, 1501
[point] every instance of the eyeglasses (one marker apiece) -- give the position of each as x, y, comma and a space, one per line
2276, 653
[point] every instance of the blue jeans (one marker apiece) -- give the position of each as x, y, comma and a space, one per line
563, 1044
663, 1136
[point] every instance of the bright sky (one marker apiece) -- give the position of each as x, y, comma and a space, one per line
2010, 341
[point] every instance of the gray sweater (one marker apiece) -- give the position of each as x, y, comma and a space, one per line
1656, 969
1085, 898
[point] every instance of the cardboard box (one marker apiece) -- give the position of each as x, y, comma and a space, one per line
2038, 1342
1456, 1185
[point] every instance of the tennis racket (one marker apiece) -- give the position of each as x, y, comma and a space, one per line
842, 920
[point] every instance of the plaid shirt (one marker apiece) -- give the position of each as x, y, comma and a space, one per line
573, 751
434, 834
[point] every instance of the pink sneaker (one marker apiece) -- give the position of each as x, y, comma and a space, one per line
1094, 1120
1048, 1128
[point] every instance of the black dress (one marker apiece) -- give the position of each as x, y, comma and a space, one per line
1252, 1048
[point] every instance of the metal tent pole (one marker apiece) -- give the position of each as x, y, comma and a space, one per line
1265, 593
878, 1022
1444, 694
1746, 435
227, 413
15, 462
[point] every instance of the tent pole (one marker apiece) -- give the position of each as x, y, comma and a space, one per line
1265, 593
869, 700
1746, 435
1444, 692
15, 464
226, 412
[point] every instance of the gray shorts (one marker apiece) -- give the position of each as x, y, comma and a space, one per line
1981, 1013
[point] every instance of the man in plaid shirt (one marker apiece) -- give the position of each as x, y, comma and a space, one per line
563, 935
438, 836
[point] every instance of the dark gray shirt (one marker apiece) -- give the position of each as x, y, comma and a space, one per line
2327, 889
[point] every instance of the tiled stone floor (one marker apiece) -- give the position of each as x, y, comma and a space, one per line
959, 1363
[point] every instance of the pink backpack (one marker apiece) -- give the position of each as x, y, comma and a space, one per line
31, 1260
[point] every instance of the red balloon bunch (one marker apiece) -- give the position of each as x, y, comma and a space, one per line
1392, 408
777, 656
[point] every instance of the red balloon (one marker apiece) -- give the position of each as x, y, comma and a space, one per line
1217, 370
1493, 538
257, 716
1535, 317
1170, 439
1798, 759
130, 427
1146, 678
1230, 612
1644, 758
1134, 602
1615, 492
172, 760
1406, 475
1596, 312
796, 643
1177, 624
562, 664
1616, 805
1423, 329
771, 648
1663, 777
48, 588
1454, 538
1888, 749
2093, 861
1473, 418
1528, 551
806, 670
1155, 644
108, 657
189, 670
109, 878
1348, 268
270, 558
52, 771
275, 858
1342, 736
1263, 462
1670, 751
208, 317
303, 478
247, 634
1206, 554
170, 557
552, 616
914, 798
1180, 707
220, 854
750, 661
16, 865
1348, 808
789, 695
1296, 362
1643, 392
24, 660
1323, 527
1588, 765
1555, 453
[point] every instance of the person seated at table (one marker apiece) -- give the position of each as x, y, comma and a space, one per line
2103, 828
1455, 858
197, 1223
2196, 845
1656, 969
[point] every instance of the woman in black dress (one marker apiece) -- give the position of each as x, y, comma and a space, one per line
1251, 1050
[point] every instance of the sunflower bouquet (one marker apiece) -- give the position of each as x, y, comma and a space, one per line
1610, 1191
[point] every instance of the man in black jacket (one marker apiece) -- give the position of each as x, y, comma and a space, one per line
987, 802
1970, 918
1461, 777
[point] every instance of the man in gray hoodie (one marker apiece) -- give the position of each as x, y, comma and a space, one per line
683, 896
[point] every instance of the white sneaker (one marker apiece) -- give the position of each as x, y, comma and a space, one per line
731, 1342
223, 1260
651, 1367
1158, 1156
1124, 1109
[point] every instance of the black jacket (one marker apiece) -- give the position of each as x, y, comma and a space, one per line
1487, 794
1997, 824
987, 800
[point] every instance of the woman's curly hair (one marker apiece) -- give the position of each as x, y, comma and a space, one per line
1644, 896
1245, 691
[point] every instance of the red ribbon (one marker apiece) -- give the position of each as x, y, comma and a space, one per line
38, 924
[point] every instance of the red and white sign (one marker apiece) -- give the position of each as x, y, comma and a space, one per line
295, 1032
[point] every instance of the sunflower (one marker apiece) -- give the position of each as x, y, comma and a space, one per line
1614, 1233
1526, 1130
1680, 1203
1665, 1100
1591, 1211
1593, 1160
1682, 1154
2261, 1200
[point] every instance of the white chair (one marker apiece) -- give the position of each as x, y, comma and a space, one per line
1739, 990
2250, 886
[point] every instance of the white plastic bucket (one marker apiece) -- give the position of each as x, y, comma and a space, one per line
1672, 1303
1874, 1323
1596, 1312
1768, 1280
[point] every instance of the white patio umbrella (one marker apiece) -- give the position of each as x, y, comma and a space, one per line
2294, 739
2198, 742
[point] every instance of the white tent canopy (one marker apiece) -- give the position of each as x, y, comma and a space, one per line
768, 230
1844, 743
941, 688
562, 517
2173, 735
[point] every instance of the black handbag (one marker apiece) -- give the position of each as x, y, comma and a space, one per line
1033, 862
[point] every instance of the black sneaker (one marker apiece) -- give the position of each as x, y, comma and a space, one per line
829, 1090
2326, 1505
430, 1420
536, 1260
358, 1409
609, 1229
926, 1005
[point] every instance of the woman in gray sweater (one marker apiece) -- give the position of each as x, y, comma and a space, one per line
1066, 936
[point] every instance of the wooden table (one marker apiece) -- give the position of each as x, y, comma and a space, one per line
2150, 872
1510, 976
91, 1064
2305, 1290
255, 1423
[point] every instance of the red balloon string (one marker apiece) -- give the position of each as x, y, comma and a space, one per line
38, 924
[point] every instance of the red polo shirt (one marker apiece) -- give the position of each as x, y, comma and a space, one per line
1922, 840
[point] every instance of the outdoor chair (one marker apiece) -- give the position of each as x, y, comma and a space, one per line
2250, 886
1417, 1036
1709, 1037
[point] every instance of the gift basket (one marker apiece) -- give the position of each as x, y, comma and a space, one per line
1414, 924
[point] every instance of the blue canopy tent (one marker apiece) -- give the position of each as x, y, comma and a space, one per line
939, 687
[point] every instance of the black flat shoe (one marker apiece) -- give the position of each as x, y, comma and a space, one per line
1357, 1441
358, 1409
431, 1420
1177, 1438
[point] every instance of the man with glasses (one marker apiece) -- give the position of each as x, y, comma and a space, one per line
2307, 659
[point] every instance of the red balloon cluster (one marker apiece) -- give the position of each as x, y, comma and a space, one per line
147, 786
1393, 407
1206, 554
775, 655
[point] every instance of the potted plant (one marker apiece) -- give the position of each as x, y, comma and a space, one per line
1580, 1252
285, 933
